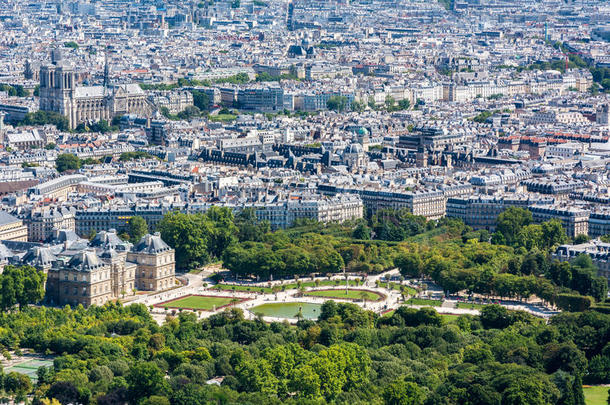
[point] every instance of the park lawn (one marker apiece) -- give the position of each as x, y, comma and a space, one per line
423, 302
468, 305
327, 283
198, 302
449, 318
428, 236
223, 117
341, 294
289, 286
242, 288
595, 395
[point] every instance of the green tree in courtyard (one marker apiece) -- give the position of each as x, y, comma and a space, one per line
136, 228
67, 161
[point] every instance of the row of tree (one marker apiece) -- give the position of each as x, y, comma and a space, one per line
496, 270
248, 248
68, 161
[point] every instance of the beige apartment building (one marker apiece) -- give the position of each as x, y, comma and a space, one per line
12, 228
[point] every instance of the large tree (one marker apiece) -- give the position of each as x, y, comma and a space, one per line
145, 379
403, 393
337, 103
189, 235
136, 228
67, 161
511, 221
21, 285
198, 237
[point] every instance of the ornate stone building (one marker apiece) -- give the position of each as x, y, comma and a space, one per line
105, 269
156, 263
60, 92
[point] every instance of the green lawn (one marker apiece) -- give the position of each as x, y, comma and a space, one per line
289, 286
198, 302
422, 302
223, 117
467, 305
246, 288
596, 395
351, 294
326, 283
448, 318
426, 237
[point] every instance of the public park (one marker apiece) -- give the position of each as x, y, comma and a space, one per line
326, 313
301, 298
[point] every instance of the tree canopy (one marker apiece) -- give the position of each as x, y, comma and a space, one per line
115, 354
136, 228
67, 161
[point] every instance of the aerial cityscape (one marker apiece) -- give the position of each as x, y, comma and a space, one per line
387, 202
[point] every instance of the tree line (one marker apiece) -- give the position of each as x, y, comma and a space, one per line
249, 248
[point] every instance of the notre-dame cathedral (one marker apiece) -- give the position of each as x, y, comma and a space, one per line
59, 92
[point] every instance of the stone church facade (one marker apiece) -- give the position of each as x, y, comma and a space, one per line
60, 92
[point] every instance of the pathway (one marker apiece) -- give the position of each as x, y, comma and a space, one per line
393, 299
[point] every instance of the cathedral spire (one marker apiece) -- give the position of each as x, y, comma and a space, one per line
106, 71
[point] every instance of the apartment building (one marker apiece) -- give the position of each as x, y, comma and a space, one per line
174, 101
552, 185
599, 223
12, 228
261, 98
481, 212
598, 251
427, 203
574, 220
58, 188
41, 224
95, 220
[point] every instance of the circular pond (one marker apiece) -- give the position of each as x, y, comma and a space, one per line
288, 310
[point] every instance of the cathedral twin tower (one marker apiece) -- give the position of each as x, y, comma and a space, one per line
60, 93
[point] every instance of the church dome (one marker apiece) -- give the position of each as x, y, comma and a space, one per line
362, 131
